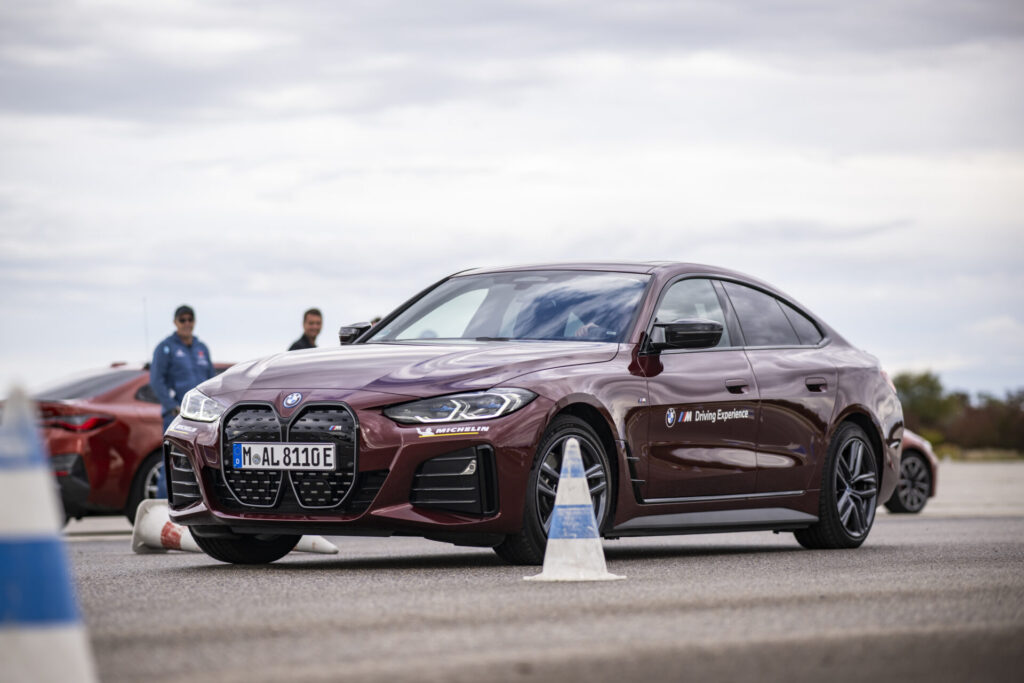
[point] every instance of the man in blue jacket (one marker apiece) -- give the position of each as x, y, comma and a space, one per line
180, 363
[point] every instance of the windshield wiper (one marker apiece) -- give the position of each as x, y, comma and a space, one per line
494, 339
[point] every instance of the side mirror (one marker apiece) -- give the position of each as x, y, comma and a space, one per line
349, 333
692, 333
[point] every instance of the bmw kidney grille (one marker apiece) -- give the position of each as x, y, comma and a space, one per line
316, 423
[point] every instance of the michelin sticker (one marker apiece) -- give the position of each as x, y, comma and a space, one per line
426, 432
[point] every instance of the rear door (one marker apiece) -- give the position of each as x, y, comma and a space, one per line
797, 385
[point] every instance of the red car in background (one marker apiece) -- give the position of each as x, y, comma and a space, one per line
104, 433
919, 471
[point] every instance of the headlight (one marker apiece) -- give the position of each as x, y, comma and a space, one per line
483, 405
199, 407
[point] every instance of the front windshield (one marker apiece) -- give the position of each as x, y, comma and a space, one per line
548, 305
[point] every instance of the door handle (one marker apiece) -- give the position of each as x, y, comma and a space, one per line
736, 386
816, 383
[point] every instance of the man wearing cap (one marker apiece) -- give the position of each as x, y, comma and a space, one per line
180, 362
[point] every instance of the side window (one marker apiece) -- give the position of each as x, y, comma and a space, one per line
693, 298
761, 317
805, 328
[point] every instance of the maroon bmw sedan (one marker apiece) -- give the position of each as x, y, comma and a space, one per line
704, 401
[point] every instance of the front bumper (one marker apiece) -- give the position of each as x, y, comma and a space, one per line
463, 482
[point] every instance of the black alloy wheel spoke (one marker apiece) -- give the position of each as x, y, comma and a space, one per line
842, 474
596, 481
856, 517
845, 507
551, 472
857, 459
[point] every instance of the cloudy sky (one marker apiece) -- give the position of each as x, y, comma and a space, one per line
257, 158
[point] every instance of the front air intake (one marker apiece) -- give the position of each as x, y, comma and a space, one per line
183, 488
461, 481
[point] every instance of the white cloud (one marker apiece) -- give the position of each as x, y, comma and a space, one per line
255, 160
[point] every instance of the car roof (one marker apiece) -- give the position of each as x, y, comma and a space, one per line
667, 269
609, 266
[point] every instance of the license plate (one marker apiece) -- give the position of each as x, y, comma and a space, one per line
300, 457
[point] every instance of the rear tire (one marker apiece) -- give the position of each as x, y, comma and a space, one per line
527, 547
914, 487
849, 493
144, 483
247, 549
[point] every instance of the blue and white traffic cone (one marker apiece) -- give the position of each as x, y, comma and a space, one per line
41, 632
574, 551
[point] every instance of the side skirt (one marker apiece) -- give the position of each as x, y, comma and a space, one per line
757, 519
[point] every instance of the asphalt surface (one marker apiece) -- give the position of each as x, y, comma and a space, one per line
933, 597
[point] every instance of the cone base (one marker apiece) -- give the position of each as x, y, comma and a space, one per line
584, 576
574, 559
59, 654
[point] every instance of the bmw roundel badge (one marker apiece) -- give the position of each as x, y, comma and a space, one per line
670, 417
292, 400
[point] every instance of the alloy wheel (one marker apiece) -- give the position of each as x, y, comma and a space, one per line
914, 483
550, 472
856, 487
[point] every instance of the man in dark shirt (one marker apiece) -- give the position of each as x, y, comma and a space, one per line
312, 321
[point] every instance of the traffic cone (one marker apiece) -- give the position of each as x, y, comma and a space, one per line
154, 532
574, 551
41, 633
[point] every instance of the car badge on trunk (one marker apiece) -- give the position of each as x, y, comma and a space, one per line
670, 417
292, 400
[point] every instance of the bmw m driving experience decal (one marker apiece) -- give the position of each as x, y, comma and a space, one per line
712, 416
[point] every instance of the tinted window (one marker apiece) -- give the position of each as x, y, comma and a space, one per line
761, 317
692, 299
86, 386
805, 328
562, 305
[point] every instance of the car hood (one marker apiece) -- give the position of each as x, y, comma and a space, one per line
413, 370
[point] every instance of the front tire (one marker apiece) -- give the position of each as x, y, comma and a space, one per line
914, 487
247, 549
527, 546
849, 493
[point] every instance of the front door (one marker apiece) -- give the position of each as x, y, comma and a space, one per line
703, 408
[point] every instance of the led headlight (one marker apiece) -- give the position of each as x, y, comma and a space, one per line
482, 405
200, 407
